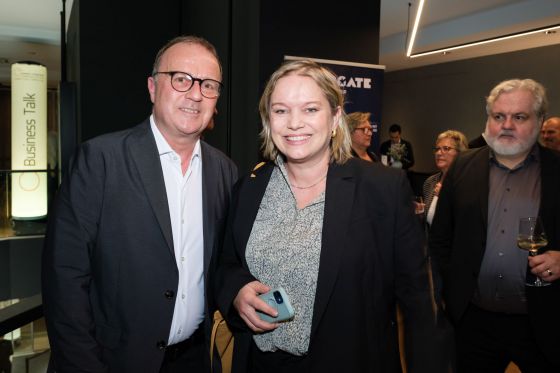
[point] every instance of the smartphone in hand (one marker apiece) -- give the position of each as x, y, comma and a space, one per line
277, 299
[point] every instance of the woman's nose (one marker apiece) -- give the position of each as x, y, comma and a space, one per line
295, 122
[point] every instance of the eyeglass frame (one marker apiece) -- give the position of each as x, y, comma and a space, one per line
444, 149
364, 129
193, 80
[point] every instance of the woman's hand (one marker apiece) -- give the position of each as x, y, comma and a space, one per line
247, 302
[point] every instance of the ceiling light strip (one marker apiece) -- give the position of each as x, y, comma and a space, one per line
486, 41
415, 28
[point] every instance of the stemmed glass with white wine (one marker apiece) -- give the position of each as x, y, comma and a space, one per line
531, 237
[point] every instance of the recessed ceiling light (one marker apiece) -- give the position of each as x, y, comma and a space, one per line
415, 27
546, 29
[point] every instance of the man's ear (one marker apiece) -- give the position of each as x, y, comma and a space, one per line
152, 88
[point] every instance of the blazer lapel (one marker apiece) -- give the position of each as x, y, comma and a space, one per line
145, 156
339, 199
249, 202
483, 162
209, 201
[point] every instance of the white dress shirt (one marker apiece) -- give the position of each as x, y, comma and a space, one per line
184, 195
432, 210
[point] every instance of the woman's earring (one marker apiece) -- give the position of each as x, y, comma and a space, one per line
333, 132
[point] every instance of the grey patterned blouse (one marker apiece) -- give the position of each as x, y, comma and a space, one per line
283, 250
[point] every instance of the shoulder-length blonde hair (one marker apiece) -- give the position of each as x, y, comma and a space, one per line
340, 147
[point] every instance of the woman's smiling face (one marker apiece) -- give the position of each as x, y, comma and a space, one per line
301, 119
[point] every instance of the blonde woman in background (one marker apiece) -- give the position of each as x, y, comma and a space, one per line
361, 132
448, 146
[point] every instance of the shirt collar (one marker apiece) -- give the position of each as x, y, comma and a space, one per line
282, 168
533, 156
280, 163
162, 144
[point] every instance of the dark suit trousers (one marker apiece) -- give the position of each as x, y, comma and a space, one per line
488, 341
185, 357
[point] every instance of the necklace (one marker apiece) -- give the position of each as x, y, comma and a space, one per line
312, 185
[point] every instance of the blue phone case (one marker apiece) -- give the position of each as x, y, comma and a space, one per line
278, 299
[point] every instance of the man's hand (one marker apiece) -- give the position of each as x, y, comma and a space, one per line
546, 265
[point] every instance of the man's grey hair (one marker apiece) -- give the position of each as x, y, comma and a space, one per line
540, 101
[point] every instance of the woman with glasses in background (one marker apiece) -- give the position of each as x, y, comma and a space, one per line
448, 145
361, 132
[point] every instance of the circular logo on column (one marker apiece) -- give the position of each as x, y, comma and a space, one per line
29, 181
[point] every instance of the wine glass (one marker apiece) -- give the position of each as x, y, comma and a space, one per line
531, 237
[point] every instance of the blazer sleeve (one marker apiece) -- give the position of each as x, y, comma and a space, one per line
232, 274
442, 228
66, 266
428, 334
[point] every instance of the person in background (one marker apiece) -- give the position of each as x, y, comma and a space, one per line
473, 239
550, 133
448, 146
361, 132
396, 144
338, 234
130, 249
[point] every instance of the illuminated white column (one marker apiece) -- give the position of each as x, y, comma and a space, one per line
29, 140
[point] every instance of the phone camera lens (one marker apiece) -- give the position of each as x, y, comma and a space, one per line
278, 297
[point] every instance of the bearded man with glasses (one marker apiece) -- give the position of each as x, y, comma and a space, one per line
131, 245
499, 316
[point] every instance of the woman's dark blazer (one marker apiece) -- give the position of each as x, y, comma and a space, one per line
371, 258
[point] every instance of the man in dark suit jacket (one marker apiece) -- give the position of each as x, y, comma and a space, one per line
407, 159
131, 243
498, 318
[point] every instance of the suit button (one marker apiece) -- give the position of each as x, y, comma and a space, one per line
161, 345
169, 294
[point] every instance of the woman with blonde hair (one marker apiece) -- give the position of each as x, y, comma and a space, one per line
361, 132
337, 234
448, 146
